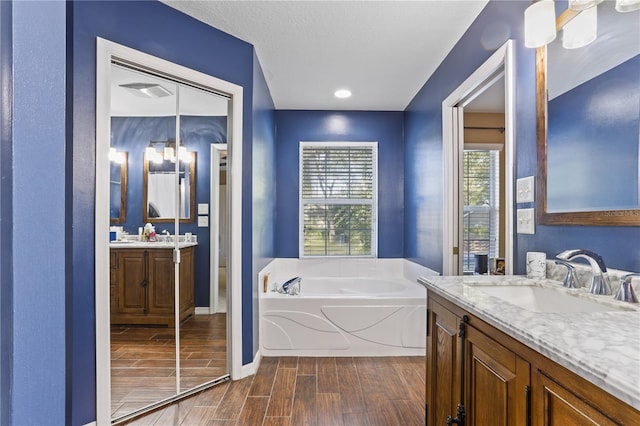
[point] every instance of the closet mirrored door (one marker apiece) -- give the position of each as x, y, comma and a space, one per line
142, 308
162, 346
203, 338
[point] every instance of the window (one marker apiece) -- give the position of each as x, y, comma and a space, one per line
338, 198
481, 205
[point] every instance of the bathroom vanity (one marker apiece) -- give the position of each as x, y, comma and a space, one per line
516, 351
142, 282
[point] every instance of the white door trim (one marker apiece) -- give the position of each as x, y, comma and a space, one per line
502, 59
214, 215
106, 51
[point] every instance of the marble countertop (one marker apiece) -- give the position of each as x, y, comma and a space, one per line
602, 347
149, 245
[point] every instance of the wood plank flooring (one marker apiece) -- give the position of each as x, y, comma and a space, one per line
297, 391
143, 367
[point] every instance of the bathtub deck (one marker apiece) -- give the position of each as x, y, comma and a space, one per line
310, 391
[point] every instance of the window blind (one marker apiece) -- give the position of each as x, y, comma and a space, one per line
337, 194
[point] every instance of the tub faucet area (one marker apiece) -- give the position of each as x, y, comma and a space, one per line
600, 281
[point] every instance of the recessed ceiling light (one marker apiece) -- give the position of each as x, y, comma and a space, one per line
342, 93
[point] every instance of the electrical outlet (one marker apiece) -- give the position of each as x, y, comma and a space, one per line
525, 191
526, 221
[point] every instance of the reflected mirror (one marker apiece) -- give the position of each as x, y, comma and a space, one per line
159, 198
118, 186
589, 125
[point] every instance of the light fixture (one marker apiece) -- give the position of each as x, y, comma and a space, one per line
539, 23
116, 156
583, 4
184, 155
581, 30
627, 5
342, 93
146, 90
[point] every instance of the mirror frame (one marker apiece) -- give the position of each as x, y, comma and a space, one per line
629, 217
123, 192
192, 192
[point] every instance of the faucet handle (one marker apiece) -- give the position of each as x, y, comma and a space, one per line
625, 291
570, 279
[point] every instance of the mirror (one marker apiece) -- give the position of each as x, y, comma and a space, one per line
159, 180
588, 125
118, 187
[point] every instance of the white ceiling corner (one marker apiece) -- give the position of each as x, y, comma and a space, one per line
383, 51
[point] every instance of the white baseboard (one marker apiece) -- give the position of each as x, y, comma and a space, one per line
202, 310
252, 367
92, 424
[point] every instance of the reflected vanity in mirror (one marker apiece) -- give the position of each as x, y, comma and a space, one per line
118, 187
588, 124
159, 203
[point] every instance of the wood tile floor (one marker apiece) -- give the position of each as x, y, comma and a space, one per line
298, 391
143, 366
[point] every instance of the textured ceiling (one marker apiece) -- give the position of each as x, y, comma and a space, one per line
383, 51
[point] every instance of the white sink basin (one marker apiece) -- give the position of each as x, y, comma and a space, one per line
541, 299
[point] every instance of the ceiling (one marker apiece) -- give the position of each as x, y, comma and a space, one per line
383, 51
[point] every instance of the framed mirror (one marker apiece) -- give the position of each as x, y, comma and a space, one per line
158, 202
118, 190
588, 125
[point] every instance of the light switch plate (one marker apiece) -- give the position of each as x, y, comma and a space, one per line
525, 190
203, 221
203, 208
526, 221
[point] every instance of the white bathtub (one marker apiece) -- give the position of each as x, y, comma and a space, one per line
345, 308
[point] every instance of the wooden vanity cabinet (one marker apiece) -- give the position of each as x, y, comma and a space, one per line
505, 382
495, 381
142, 286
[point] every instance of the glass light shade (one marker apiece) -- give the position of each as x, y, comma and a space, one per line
581, 30
183, 155
583, 4
539, 23
627, 5
115, 156
169, 153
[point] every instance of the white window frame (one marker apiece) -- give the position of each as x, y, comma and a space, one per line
374, 202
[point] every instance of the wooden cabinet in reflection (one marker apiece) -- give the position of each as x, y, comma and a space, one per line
142, 285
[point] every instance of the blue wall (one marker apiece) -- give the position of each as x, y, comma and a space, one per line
40, 342
369, 126
594, 165
132, 135
264, 184
157, 29
498, 21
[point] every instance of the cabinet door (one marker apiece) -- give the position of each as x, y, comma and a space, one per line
186, 279
497, 382
443, 376
566, 400
131, 282
161, 282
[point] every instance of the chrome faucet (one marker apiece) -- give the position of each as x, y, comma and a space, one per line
570, 279
625, 292
600, 281
291, 287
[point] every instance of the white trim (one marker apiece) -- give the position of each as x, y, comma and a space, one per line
202, 310
91, 424
214, 226
252, 367
483, 147
106, 51
373, 202
502, 59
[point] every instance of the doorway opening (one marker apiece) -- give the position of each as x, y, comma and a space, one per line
480, 229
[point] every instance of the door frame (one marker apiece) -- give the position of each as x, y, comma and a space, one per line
105, 52
501, 61
214, 215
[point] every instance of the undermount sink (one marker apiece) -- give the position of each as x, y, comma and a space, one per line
542, 299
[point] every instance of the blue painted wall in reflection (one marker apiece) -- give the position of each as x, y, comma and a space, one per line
594, 165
